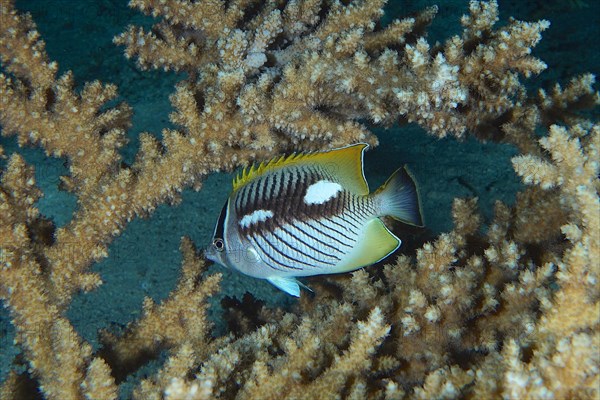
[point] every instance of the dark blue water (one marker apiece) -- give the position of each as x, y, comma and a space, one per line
145, 260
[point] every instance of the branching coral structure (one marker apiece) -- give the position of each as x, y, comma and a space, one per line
510, 311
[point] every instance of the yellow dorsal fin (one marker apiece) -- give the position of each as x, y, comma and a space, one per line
345, 163
247, 174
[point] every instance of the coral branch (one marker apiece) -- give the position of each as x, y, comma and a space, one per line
505, 310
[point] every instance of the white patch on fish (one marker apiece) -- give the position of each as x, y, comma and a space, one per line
255, 217
321, 192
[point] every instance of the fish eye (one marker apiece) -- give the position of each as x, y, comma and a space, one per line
219, 244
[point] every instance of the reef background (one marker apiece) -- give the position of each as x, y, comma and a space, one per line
145, 260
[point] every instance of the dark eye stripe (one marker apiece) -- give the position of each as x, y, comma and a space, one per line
220, 228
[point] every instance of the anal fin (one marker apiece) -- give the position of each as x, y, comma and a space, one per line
375, 243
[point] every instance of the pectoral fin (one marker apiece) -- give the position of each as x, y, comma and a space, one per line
288, 285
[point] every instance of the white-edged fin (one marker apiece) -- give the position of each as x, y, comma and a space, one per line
374, 244
288, 285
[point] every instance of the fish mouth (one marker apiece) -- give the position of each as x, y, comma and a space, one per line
210, 254
215, 256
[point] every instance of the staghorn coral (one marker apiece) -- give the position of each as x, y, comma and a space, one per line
511, 311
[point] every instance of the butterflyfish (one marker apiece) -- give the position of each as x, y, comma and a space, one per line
310, 214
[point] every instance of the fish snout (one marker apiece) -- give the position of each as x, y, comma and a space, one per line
210, 254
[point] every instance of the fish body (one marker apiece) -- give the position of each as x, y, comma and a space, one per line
310, 214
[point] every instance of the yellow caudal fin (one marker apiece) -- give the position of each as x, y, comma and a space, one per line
376, 243
399, 198
345, 164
